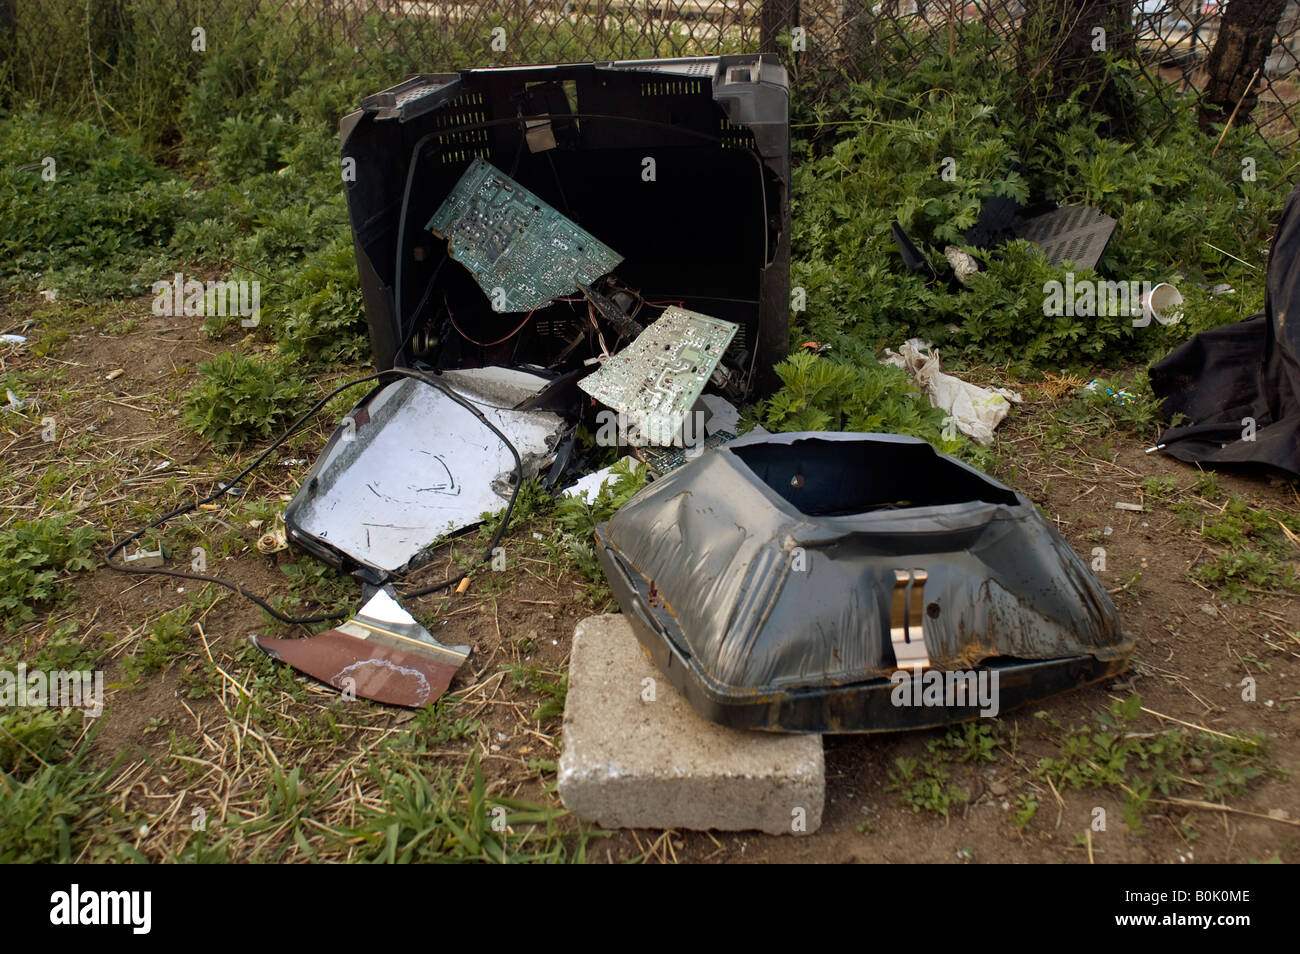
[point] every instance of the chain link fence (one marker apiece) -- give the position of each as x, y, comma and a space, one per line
70, 49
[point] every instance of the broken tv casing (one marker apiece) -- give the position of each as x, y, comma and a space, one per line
681, 166
678, 169
766, 581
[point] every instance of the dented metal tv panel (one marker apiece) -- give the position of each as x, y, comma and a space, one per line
781, 581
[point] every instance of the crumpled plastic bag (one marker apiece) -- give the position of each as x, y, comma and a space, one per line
973, 410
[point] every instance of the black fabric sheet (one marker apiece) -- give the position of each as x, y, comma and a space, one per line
1250, 369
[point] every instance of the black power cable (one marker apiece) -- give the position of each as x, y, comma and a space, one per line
226, 486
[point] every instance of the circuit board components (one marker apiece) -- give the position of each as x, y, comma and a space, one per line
656, 380
521, 251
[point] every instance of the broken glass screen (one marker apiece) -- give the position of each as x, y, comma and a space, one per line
521, 251
410, 465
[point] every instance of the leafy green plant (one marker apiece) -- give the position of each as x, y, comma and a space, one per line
973, 741
1120, 401
1160, 488
437, 724
34, 554
52, 803
822, 394
1239, 570
446, 817
1023, 813
325, 321
925, 146
242, 399
925, 784
553, 691
168, 638
578, 518
1143, 766
98, 227
1258, 544
46, 817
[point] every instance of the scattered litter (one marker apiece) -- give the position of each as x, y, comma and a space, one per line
974, 410
1120, 396
1160, 303
964, 265
13, 339
15, 402
114, 374
382, 653
914, 260
1068, 233
1122, 505
272, 541
145, 558
1209, 610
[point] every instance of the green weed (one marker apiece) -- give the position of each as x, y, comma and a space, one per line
1142, 766
241, 399
34, 555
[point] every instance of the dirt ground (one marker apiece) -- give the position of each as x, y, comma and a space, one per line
185, 738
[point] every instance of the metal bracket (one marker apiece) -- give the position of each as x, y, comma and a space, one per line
145, 558
907, 632
539, 134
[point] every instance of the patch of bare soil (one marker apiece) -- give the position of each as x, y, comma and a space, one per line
217, 720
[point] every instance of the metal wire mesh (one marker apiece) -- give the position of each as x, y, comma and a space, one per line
53, 46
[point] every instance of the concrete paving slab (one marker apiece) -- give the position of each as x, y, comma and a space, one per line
636, 755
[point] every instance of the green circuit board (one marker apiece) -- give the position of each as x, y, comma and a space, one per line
657, 379
522, 252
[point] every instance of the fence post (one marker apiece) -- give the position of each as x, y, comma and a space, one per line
1245, 39
775, 20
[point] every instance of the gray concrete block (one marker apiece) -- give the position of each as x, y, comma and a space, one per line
633, 763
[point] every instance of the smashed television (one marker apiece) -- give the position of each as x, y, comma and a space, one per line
829, 582
516, 229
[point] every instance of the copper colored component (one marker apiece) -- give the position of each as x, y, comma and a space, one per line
380, 654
